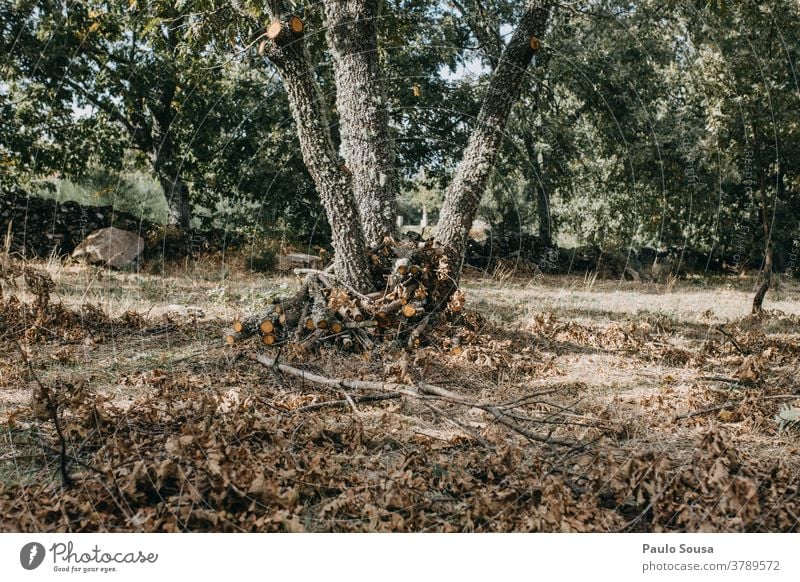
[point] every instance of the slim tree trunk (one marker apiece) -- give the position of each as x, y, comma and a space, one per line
464, 193
288, 52
167, 164
766, 271
766, 274
366, 143
542, 195
177, 194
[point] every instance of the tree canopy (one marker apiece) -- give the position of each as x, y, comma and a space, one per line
646, 123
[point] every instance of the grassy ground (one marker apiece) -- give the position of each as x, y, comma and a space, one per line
644, 374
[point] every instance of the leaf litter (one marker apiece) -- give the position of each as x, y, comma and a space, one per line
234, 446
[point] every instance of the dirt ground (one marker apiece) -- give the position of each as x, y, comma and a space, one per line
669, 394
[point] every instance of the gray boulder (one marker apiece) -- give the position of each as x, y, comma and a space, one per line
111, 247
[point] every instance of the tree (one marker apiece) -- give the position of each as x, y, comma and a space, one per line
359, 88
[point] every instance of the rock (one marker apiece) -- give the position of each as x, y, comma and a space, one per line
110, 246
298, 261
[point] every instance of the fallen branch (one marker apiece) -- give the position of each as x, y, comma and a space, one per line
711, 409
460, 425
703, 411
412, 391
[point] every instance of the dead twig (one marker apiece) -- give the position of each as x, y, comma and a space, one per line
52, 410
455, 422
729, 335
711, 409
701, 412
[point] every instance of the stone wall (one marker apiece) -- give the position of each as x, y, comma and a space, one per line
40, 227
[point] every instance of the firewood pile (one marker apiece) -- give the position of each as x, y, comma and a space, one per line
416, 305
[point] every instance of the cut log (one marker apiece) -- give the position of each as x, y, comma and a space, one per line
319, 311
268, 339
409, 310
267, 326
296, 24
389, 309
361, 324
274, 29
350, 312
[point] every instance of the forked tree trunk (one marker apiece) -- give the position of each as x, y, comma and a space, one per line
366, 143
464, 193
286, 49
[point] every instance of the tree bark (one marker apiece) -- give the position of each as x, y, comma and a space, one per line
464, 193
366, 143
289, 54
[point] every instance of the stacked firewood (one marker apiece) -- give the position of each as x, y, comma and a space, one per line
416, 294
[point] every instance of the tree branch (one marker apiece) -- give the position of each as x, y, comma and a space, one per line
103, 105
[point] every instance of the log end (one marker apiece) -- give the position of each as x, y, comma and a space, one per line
409, 310
274, 29
296, 24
